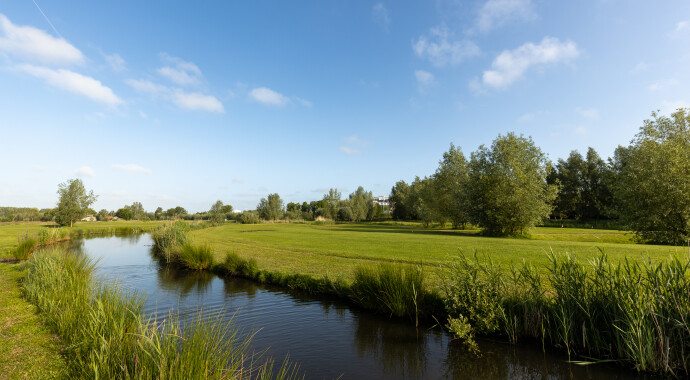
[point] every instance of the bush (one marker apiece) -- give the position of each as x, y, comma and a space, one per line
235, 265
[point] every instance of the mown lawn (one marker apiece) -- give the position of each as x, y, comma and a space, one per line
336, 249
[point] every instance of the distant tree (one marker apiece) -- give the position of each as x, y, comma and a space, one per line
449, 184
73, 202
424, 201
399, 201
216, 214
158, 214
137, 210
653, 185
331, 204
509, 192
361, 205
293, 207
271, 208
103, 215
125, 213
175, 213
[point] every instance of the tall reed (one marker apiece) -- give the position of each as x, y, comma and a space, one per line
170, 238
106, 336
637, 312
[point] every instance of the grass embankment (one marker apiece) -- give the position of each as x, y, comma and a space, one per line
634, 310
19, 240
335, 250
27, 348
107, 336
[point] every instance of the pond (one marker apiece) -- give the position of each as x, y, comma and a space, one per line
327, 337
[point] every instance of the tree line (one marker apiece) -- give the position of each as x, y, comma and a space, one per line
510, 186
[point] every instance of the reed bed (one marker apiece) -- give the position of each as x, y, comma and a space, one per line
106, 336
634, 312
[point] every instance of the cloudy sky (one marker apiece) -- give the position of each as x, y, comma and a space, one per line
183, 103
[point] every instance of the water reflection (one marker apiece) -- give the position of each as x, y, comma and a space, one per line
325, 335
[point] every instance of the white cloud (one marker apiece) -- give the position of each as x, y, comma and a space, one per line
267, 96
194, 101
440, 49
301, 101
74, 82
85, 171
581, 130
662, 85
237, 180
34, 44
380, 14
640, 67
682, 28
495, 13
511, 65
354, 140
588, 113
424, 79
183, 73
133, 168
350, 151
180, 77
116, 62
526, 118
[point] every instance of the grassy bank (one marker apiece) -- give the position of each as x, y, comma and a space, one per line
629, 305
106, 335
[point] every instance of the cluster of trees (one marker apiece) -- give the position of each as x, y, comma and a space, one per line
358, 206
510, 186
26, 214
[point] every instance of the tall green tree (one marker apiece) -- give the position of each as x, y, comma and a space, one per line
73, 202
449, 184
331, 204
653, 184
509, 192
137, 210
361, 205
215, 213
271, 208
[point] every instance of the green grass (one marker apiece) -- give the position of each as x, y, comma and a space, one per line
335, 250
196, 257
28, 350
107, 336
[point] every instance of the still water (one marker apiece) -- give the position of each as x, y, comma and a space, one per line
328, 338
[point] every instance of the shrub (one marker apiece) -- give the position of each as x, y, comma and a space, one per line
235, 265
198, 257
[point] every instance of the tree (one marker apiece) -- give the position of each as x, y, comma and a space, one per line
158, 214
137, 210
361, 205
653, 183
103, 215
509, 192
449, 183
399, 201
216, 214
125, 213
73, 202
331, 204
271, 208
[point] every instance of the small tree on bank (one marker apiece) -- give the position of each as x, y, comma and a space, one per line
73, 202
507, 191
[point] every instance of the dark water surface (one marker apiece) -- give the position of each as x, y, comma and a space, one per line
327, 337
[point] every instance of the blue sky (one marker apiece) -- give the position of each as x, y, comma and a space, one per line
183, 103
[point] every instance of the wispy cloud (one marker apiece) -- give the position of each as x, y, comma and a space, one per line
496, 13
380, 14
267, 96
667, 107
353, 145
439, 47
682, 28
180, 72
511, 65
30, 43
132, 168
588, 113
74, 82
662, 85
424, 79
237, 180
193, 101
85, 171
115, 62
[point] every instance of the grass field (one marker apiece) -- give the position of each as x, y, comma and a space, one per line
336, 249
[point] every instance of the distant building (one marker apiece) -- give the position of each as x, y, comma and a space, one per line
88, 218
383, 200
